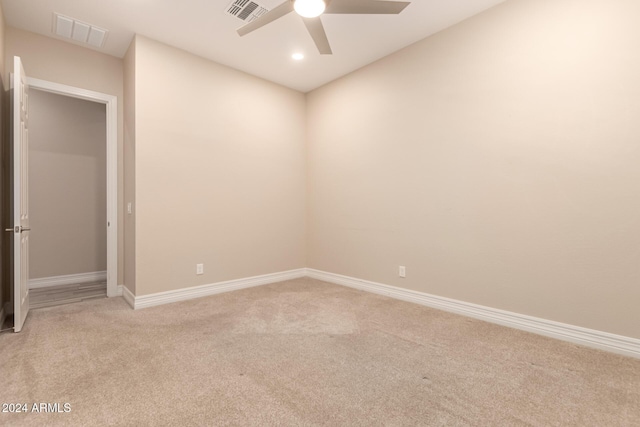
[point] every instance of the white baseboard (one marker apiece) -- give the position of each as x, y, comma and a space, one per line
120, 291
137, 302
69, 279
588, 337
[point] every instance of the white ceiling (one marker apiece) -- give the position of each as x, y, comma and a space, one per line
203, 28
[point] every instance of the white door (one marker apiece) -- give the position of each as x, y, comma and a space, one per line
20, 130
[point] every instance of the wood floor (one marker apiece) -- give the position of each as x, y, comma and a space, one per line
66, 294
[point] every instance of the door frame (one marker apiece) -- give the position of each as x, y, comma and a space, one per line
111, 103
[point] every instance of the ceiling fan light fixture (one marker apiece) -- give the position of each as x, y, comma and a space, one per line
309, 8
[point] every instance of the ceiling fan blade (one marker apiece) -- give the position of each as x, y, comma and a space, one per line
316, 30
272, 15
366, 7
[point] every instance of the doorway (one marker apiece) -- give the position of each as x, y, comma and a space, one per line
98, 263
67, 199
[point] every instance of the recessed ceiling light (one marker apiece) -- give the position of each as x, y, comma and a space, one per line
297, 56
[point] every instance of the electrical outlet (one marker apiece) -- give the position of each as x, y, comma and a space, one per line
129, 208
402, 271
199, 268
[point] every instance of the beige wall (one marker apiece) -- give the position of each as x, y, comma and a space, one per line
67, 185
56, 61
498, 161
219, 172
129, 167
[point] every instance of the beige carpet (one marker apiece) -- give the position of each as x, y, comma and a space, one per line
304, 353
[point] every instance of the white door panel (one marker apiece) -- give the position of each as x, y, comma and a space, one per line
20, 131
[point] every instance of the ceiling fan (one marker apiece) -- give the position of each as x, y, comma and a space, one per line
310, 11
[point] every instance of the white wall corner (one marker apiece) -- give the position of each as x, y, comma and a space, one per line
578, 335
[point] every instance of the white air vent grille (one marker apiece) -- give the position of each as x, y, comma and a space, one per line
82, 32
246, 10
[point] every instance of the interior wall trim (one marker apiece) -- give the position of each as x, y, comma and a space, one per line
69, 279
160, 298
575, 334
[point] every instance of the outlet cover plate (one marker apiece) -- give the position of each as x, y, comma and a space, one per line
402, 271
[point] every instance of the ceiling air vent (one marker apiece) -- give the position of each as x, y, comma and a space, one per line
82, 32
246, 10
